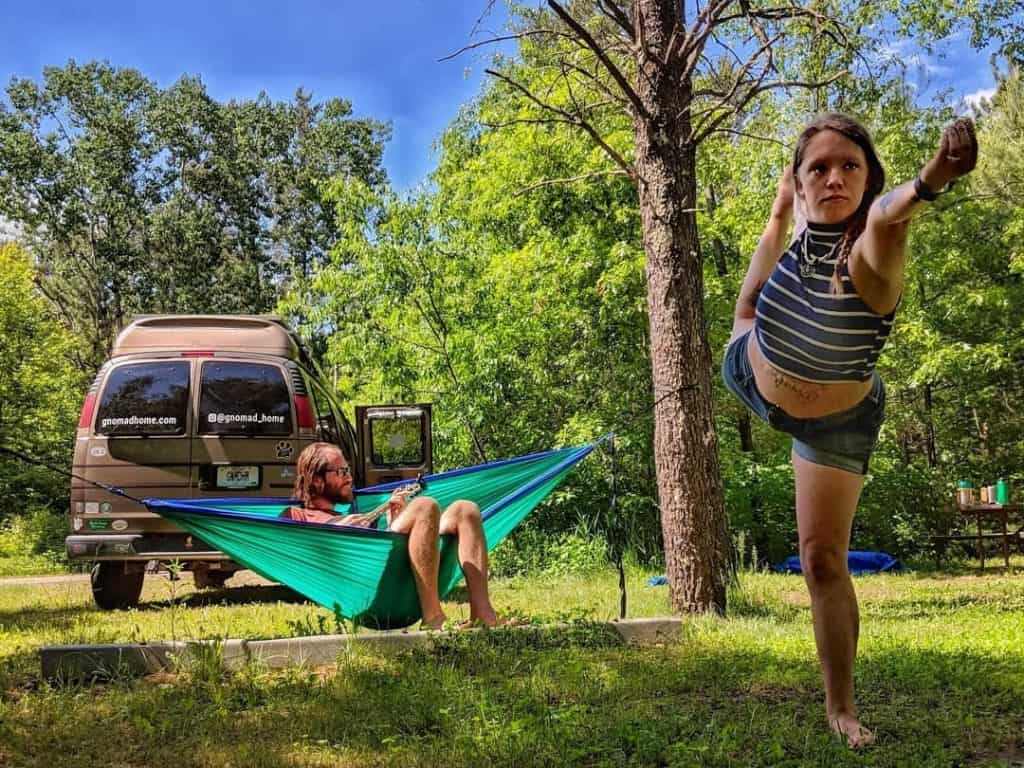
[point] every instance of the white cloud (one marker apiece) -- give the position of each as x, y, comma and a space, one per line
973, 100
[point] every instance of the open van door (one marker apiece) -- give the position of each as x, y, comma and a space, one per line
395, 442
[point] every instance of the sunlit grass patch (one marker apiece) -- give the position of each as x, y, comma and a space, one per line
940, 677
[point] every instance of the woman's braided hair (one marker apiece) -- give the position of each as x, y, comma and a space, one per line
309, 470
858, 134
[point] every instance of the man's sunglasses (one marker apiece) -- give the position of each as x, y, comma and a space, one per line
343, 471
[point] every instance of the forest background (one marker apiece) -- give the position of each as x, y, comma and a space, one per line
510, 290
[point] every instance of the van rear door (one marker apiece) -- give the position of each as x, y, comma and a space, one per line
245, 440
138, 440
395, 442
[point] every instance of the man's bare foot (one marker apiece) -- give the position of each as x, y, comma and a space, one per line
493, 622
433, 622
849, 730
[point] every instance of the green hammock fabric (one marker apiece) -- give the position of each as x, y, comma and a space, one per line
365, 574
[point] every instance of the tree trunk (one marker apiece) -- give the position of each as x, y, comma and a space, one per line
718, 247
929, 428
746, 431
685, 444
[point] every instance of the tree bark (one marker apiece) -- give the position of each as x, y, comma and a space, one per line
929, 428
685, 444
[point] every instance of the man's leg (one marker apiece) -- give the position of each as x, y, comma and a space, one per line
421, 521
826, 499
462, 519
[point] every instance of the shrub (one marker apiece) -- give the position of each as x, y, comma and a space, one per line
530, 551
38, 531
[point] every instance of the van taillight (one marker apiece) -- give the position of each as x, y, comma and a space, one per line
85, 420
198, 353
304, 412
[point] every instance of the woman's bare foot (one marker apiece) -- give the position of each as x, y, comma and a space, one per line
848, 728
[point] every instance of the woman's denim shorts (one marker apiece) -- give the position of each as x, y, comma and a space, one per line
844, 440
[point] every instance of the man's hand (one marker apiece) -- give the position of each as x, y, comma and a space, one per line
400, 498
957, 155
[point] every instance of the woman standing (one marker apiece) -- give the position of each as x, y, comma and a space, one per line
809, 325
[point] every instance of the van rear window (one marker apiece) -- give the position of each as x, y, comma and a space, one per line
144, 399
243, 399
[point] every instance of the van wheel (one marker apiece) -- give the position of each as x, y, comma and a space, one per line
205, 579
114, 587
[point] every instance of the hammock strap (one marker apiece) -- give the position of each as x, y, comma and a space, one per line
61, 471
538, 481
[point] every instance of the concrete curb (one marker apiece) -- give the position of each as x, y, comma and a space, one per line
66, 663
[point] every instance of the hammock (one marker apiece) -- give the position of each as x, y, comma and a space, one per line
364, 574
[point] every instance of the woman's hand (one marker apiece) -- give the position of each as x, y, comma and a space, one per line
784, 194
957, 155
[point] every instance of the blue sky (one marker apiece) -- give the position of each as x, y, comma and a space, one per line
382, 56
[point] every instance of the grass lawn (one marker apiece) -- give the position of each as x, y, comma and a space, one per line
940, 678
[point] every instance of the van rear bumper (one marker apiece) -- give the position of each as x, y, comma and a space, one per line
134, 546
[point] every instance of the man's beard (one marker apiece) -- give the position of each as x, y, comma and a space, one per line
342, 496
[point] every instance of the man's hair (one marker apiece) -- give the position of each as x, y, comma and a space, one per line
309, 470
858, 134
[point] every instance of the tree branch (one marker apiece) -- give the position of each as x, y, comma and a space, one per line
570, 180
571, 119
516, 36
745, 134
617, 98
602, 55
613, 11
693, 46
702, 131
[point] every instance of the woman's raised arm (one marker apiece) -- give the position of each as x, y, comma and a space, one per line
769, 248
885, 234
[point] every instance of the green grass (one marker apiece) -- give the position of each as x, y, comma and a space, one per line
30, 565
940, 678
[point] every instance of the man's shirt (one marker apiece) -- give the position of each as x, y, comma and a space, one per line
307, 515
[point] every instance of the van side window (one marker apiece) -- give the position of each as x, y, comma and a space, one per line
243, 399
145, 399
326, 423
396, 438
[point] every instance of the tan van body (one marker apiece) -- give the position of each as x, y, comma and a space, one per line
207, 407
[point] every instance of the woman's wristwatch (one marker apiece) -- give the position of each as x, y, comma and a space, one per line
923, 192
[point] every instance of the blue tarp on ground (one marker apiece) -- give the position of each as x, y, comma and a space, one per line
858, 562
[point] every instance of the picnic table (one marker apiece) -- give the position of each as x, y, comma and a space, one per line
998, 513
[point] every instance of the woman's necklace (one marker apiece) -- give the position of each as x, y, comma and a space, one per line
808, 261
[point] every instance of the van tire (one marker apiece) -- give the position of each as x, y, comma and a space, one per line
205, 579
115, 587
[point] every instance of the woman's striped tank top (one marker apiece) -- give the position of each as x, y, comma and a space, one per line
805, 330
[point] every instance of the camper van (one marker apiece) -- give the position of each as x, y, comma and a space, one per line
204, 406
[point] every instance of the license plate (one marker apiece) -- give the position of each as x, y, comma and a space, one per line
238, 477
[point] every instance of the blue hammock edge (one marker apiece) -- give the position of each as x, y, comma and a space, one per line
212, 507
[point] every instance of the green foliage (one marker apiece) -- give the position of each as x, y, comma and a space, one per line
39, 391
135, 199
512, 295
32, 542
530, 551
38, 531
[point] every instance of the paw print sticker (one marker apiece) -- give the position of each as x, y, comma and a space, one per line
284, 449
